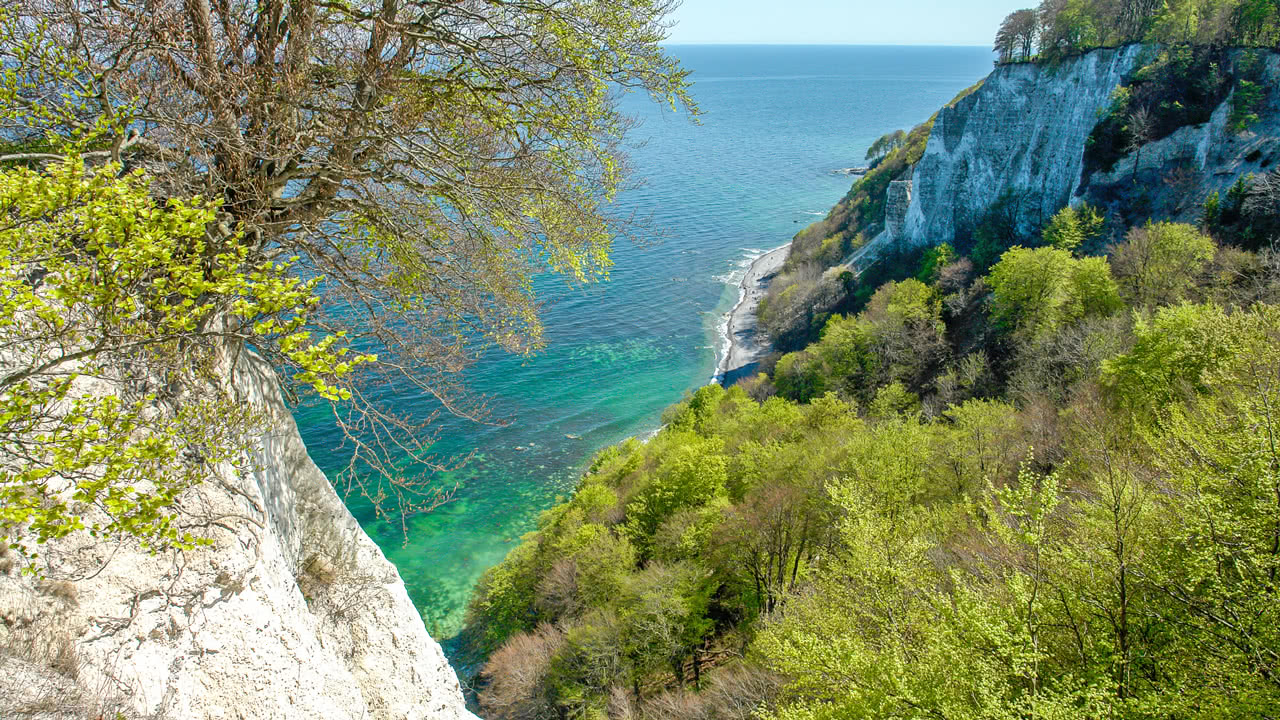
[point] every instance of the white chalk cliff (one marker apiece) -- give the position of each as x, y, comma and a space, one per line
1023, 135
293, 612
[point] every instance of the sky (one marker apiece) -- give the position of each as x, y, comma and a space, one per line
843, 22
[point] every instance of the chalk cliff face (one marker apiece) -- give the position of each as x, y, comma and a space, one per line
1023, 133
293, 612
1023, 136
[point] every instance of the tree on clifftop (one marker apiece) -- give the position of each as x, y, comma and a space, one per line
425, 157
886, 144
1017, 35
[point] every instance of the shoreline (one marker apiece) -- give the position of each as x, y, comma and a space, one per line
746, 344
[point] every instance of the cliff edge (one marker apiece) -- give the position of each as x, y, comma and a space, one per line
291, 612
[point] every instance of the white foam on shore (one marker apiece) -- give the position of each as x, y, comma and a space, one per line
737, 277
724, 343
741, 266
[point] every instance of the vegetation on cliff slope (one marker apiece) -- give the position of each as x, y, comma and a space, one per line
1048, 489
1180, 86
1175, 86
115, 317
1060, 28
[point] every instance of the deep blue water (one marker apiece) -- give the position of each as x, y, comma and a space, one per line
777, 120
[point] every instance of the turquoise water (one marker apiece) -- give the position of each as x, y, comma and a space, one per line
778, 120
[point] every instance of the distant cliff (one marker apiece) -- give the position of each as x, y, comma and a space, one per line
293, 612
1024, 136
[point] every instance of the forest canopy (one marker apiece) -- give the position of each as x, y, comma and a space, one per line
1040, 486
1059, 28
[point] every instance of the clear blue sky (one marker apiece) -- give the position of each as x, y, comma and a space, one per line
852, 22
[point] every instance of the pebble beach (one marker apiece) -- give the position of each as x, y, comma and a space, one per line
747, 344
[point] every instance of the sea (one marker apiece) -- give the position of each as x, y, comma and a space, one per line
777, 121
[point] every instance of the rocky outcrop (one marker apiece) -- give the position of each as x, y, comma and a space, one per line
897, 203
292, 612
1170, 178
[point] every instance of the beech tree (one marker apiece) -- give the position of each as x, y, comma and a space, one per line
886, 144
114, 321
425, 157
1160, 262
1017, 35
1070, 228
1035, 292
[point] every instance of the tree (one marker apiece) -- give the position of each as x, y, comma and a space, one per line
1016, 37
1217, 558
1071, 228
906, 329
1257, 22
1140, 127
1260, 207
516, 673
886, 144
424, 156
1136, 16
1161, 261
1037, 291
691, 475
983, 443
1066, 27
114, 319
771, 535
1173, 354
663, 612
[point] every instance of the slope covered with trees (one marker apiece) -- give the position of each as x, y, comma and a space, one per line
1050, 489
1028, 473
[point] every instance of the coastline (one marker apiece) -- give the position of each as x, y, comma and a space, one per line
746, 344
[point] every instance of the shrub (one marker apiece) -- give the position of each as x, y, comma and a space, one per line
514, 676
1161, 262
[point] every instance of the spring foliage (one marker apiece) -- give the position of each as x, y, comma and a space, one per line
1066, 27
1050, 492
428, 158
114, 319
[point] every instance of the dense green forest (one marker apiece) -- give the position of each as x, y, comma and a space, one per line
1050, 490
